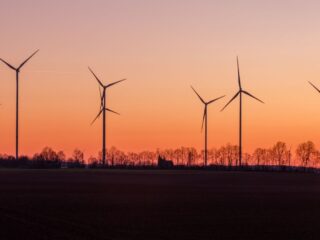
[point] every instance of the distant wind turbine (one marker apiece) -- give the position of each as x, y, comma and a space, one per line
17, 70
205, 123
239, 93
102, 111
314, 87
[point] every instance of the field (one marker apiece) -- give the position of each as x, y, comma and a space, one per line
155, 204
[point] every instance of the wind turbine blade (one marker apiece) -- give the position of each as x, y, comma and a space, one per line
111, 84
215, 99
198, 95
231, 100
239, 79
112, 111
101, 98
314, 87
249, 94
9, 65
25, 61
203, 118
97, 116
96, 77
100, 92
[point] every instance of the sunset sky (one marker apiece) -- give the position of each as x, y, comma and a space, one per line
161, 47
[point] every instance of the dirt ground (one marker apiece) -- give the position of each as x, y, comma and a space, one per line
158, 204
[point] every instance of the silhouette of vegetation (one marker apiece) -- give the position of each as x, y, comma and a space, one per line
277, 157
307, 154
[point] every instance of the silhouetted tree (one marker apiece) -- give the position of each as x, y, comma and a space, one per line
279, 150
246, 159
305, 151
93, 162
48, 158
48, 154
61, 156
192, 155
78, 156
260, 156
316, 160
288, 157
221, 155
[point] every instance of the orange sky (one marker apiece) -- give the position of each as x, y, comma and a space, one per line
161, 47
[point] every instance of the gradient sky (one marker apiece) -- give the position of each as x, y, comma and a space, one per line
161, 47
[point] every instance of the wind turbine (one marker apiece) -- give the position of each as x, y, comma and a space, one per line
239, 93
17, 70
102, 111
314, 87
205, 123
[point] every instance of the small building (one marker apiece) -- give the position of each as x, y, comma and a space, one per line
165, 164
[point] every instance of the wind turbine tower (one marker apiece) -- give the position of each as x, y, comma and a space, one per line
205, 123
103, 109
17, 70
240, 93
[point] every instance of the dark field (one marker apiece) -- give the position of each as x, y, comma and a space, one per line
122, 204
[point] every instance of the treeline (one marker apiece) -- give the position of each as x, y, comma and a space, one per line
47, 158
305, 155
